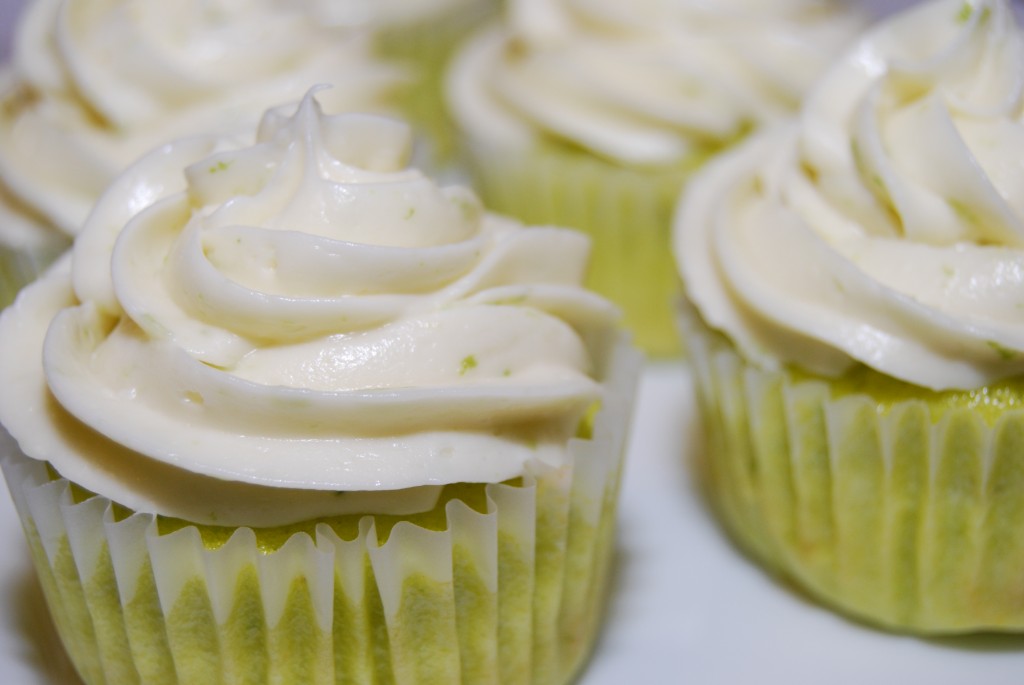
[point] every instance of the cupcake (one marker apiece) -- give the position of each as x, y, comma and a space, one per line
92, 86
312, 418
421, 36
593, 115
857, 284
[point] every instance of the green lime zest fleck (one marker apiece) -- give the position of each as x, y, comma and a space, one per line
948, 271
467, 364
470, 210
220, 166
506, 373
1004, 353
967, 11
409, 214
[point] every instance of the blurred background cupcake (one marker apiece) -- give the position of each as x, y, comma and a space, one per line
315, 419
90, 86
593, 114
857, 330
421, 35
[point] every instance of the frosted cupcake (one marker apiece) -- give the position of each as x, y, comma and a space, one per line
92, 86
593, 114
310, 418
858, 280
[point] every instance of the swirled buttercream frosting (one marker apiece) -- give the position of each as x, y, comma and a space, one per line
302, 314
645, 82
97, 84
886, 227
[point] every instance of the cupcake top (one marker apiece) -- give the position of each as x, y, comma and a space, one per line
649, 82
886, 226
302, 316
93, 85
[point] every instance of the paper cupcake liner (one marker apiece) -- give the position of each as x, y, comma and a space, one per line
508, 588
900, 512
425, 46
19, 267
627, 212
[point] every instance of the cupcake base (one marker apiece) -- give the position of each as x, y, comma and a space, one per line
500, 583
898, 506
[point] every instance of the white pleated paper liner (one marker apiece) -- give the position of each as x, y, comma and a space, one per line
507, 589
904, 511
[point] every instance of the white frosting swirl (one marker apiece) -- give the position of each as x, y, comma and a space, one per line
644, 82
97, 84
306, 314
887, 227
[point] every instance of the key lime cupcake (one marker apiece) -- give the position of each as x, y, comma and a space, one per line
94, 85
310, 418
593, 115
857, 330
